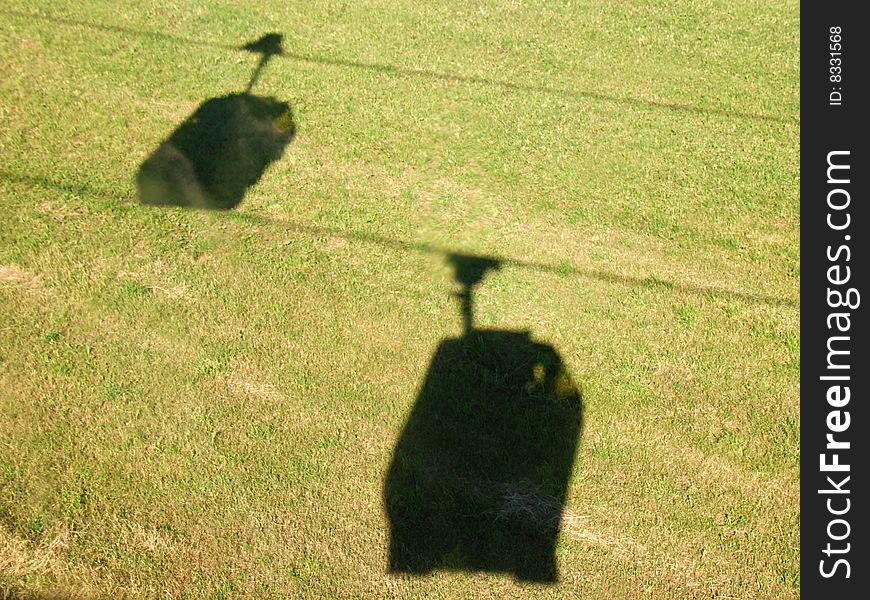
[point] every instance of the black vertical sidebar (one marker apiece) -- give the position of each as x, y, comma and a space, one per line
834, 336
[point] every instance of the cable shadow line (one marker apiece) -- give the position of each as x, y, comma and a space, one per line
76, 188
520, 87
429, 74
430, 248
118, 29
561, 270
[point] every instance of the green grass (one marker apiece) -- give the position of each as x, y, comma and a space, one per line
206, 405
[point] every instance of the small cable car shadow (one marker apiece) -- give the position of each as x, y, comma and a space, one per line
217, 154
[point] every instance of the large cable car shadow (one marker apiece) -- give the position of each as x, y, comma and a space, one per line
480, 473
213, 158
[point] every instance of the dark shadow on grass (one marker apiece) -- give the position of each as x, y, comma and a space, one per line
480, 473
222, 149
393, 70
217, 154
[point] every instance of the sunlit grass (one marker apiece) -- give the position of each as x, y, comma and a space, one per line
205, 405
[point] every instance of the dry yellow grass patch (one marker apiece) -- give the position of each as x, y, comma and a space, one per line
13, 275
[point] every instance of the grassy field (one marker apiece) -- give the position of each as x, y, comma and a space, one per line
207, 404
